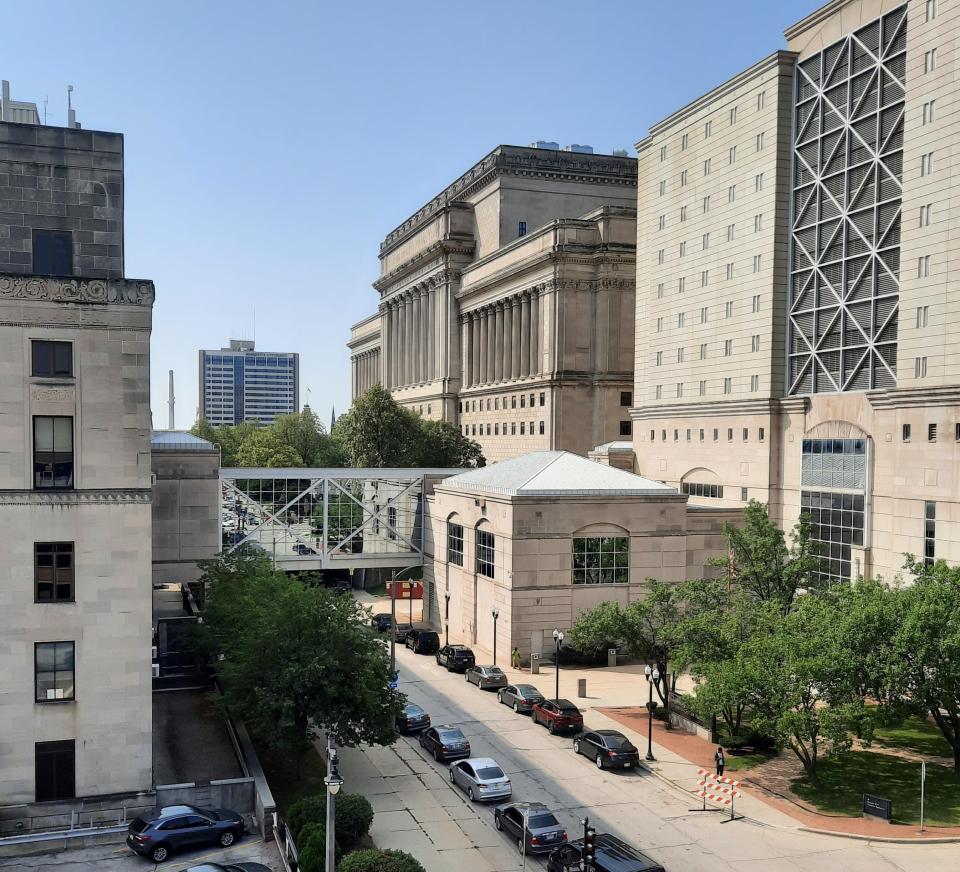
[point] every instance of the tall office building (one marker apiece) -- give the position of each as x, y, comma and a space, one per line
75, 575
240, 384
795, 324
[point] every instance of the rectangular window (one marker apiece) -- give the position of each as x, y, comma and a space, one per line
706, 241
543, 398
531, 429
680, 319
663, 153
541, 428
662, 222
929, 60
601, 560
716, 435
682, 284
758, 182
755, 342
659, 392
704, 278
659, 325
523, 428
706, 204
757, 223
704, 313
486, 550
732, 154
757, 262
920, 367
729, 271
756, 303
626, 428
731, 193
626, 398
727, 347
754, 383
703, 393
455, 543
683, 249
52, 452
760, 142
746, 434
931, 432
728, 385
925, 214
922, 316
926, 163
929, 532
663, 188
513, 401
761, 433
522, 228
653, 435
730, 232
54, 671
733, 114
680, 355
676, 435
729, 434
660, 291
679, 389
51, 359
523, 401
683, 213
707, 129
701, 489
659, 358
743, 494
689, 431
703, 350
706, 167
53, 252
683, 141
513, 428
905, 432
760, 101
55, 770
660, 257
929, 111
683, 178
53, 572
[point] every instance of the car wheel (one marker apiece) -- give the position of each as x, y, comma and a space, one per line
499, 697
451, 775
227, 838
551, 728
576, 746
470, 793
438, 660
599, 762
448, 666
496, 822
466, 677
516, 708
159, 853
436, 754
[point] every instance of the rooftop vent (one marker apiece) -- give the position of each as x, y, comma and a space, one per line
620, 152
543, 143
16, 110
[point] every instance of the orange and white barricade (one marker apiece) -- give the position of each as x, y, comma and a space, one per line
718, 789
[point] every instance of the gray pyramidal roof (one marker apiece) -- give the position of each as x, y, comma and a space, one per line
179, 440
555, 474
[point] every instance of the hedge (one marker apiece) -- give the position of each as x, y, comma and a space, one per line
353, 814
376, 860
312, 848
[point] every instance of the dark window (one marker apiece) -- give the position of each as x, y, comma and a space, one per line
53, 252
53, 671
931, 432
743, 494
455, 543
626, 428
762, 434
906, 432
52, 452
53, 571
541, 428
522, 228
653, 435
929, 532
601, 560
543, 398
626, 398
485, 553
701, 489
54, 768
52, 358
392, 522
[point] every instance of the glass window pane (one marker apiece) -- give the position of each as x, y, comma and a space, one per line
43, 434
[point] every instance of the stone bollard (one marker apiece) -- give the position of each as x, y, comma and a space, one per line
534, 664
582, 687
611, 656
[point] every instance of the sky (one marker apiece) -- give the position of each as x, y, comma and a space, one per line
271, 146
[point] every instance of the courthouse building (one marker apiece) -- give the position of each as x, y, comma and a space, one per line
506, 303
75, 590
795, 323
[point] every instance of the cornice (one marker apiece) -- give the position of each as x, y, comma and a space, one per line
99, 497
814, 18
769, 406
131, 292
442, 248
907, 398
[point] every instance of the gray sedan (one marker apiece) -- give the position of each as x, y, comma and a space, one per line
520, 697
532, 824
481, 778
486, 677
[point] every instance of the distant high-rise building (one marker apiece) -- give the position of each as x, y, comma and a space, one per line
240, 384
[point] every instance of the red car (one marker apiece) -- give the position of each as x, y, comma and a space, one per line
557, 715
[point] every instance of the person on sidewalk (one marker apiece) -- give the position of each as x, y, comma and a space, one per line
718, 759
515, 657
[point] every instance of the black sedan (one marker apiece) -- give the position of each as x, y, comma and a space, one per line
520, 697
412, 719
455, 657
423, 641
607, 748
532, 824
445, 742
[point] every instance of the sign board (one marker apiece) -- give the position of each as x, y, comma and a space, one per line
877, 806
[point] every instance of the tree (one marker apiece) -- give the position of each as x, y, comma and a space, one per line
443, 446
263, 448
924, 662
228, 439
763, 564
296, 660
304, 433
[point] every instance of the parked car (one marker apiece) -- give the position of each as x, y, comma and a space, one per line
557, 715
381, 622
444, 742
302, 549
401, 633
394, 679
229, 867
486, 677
607, 748
423, 641
174, 827
455, 657
532, 824
412, 718
612, 855
482, 778
520, 697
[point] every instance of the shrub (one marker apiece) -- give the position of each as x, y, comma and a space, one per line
760, 741
309, 810
312, 848
379, 861
353, 814
734, 743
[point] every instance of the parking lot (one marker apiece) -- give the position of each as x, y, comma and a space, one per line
118, 858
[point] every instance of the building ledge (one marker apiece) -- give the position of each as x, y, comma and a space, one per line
55, 289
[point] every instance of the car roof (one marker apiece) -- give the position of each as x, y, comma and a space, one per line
447, 727
483, 761
459, 647
174, 810
563, 703
616, 733
529, 806
413, 705
618, 856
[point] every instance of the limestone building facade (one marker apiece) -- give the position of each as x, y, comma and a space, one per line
75, 586
506, 303
794, 312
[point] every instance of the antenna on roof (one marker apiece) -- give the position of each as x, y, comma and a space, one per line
71, 115
45, 101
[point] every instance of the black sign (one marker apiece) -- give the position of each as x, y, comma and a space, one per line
877, 806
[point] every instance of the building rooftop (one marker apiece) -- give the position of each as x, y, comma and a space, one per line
179, 440
555, 474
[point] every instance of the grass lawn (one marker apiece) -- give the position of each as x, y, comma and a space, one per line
282, 776
843, 780
740, 762
914, 734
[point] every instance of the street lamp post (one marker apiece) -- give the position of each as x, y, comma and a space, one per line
393, 615
496, 614
558, 641
334, 782
446, 616
653, 676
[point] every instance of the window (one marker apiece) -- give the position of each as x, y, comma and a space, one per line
700, 489
660, 257
733, 114
660, 291
706, 241
727, 347
730, 232
706, 167
626, 398
53, 252
51, 358
676, 435
729, 271
683, 178
541, 428
760, 142
905, 432
929, 111
485, 553
626, 428
754, 383
663, 188
926, 163
679, 389
732, 154
758, 182
659, 358
53, 571
601, 560
920, 367
756, 303
682, 284
729, 434
659, 392
689, 431
523, 428
757, 223
683, 213
522, 228
929, 60
680, 355
683, 249
704, 278
680, 319
728, 385
52, 452
531, 429
707, 129
922, 316
523, 401
704, 312
925, 214
532, 399
929, 532
454, 543
513, 428
543, 398
746, 434
513, 402
760, 101
53, 671
931, 432
716, 435
931, 9
706, 204
392, 513
703, 350
743, 494
663, 153
703, 393
956, 432
683, 141
755, 342
731, 193
757, 262
653, 435
659, 325
55, 767
761, 434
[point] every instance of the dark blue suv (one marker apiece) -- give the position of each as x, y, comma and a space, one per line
169, 829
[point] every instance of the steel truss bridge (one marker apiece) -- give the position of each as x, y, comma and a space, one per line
308, 519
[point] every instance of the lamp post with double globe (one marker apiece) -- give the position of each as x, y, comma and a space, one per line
558, 641
495, 613
446, 596
653, 676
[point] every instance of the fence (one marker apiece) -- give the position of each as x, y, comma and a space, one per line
285, 844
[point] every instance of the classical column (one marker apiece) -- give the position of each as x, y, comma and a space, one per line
465, 351
474, 348
483, 348
392, 361
507, 339
524, 335
426, 301
498, 344
431, 334
515, 338
404, 341
535, 333
491, 314
397, 344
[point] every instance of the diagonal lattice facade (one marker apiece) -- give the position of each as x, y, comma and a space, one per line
845, 234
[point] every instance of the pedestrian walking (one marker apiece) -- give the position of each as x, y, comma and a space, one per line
515, 657
718, 759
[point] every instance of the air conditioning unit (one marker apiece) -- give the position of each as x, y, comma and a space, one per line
156, 669
153, 652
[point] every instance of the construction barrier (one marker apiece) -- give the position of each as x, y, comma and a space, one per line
718, 789
406, 589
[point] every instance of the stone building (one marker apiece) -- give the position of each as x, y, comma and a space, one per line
75, 591
506, 303
793, 272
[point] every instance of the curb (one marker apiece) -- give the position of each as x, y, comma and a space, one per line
922, 840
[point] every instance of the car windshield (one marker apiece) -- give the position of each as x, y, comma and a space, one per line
451, 735
412, 709
539, 821
616, 741
489, 773
569, 710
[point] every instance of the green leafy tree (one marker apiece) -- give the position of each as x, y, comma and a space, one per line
263, 448
304, 433
296, 660
443, 446
228, 439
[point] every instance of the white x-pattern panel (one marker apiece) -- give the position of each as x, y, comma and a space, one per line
845, 235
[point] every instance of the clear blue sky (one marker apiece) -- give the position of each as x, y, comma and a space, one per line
271, 146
